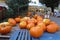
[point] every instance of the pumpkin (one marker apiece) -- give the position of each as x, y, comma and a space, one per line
29, 14
30, 21
25, 19
46, 21
34, 20
52, 28
30, 25
22, 24
39, 22
5, 28
39, 18
42, 25
12, 21
17, 19
35, 16
36, 32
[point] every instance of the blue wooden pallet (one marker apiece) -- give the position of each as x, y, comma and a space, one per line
23, 34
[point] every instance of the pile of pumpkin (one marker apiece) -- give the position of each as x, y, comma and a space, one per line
36, 25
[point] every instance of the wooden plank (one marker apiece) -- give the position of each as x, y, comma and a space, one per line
23, 34
14, 35
29, 37
19, 38
26, 34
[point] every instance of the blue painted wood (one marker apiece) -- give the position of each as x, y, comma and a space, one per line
19, 38
25, 35
14, 35
35, 38
29, 37
47, 36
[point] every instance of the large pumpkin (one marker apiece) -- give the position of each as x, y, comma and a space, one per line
52, 28
22, 24
5, 28
17, 19
12, 21
30, 25
42, 25
36, 32
46, 21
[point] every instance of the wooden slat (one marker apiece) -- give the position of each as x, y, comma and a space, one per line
26, 34
29, 37
19, 38
14, 35
23, 34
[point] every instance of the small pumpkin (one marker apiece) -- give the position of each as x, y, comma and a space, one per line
22, 24
52, 28
46, 21
17, 19
35, 16
39, 18
5, 28
30, 25
30, 21
42, 25
33, 19
12, 21
29, 14
25, 19
36, 32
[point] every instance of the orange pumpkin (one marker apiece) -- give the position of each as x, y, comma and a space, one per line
17, 19
30, 21
5, 28
25, 19
39, 22
42, 25
46, 21
22, 24
29, 14
30, 25
36, 32
39, 18
12, 21
35, 16
33, 19
52, 28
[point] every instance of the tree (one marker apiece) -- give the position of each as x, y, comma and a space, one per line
17, 6
51, 3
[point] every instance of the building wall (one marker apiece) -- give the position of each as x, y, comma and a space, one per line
36, 9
